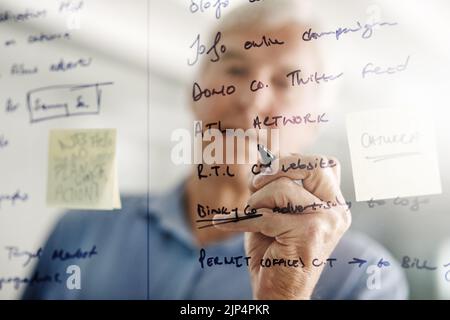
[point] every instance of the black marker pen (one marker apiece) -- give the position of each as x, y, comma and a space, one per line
267, 158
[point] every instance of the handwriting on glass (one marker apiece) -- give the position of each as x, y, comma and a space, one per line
14, 252
17, 196
47, 103
413, 204
204, 5
367, 31
214, 51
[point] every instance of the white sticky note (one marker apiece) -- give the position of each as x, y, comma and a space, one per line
82, 170
393, 153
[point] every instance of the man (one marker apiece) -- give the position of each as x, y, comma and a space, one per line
160, 252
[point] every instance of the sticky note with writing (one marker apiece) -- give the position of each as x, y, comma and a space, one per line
82, 171
393, 153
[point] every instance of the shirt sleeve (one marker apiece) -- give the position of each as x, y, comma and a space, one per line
48, 279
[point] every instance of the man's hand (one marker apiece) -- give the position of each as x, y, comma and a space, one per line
311, 234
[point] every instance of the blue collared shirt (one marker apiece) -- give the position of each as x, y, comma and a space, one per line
149, 252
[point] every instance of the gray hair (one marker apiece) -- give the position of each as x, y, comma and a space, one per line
270, 13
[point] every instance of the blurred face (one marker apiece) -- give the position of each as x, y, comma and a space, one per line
269, 66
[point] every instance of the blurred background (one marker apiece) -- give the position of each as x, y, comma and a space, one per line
124, 38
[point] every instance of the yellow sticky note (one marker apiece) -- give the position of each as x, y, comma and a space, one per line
393, 153
82, 170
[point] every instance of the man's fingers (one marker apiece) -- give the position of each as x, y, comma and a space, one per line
287, 228
281, 192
